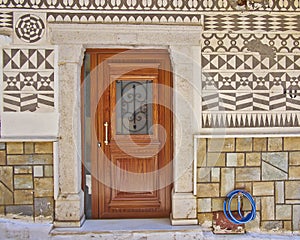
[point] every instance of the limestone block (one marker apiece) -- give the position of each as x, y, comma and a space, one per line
294, 172
217, 204
23, 169
2, 146
279, 192
38, 171
296, 217
271, 225
270, 172
227, 180
29, 148
291, 143
2, 158
203, 175
253, 159
184, 206
23, 182
247, 174
6, 176
43, 187
48, 171
294, 158
216, 159
205, 219
30, 159
208, 190
23, 197
260, 144
277, 159
243, 144
275, 144
20, 210
2, 210
287, 225
263, 188
43, 147
283, 212
220, 144
267, 208
201, 152
292, 190
43, 207
254, 225
15, 148
215, 174
6, 195
204, 204
235, 159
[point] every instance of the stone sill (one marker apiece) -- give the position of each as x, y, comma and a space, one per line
29, 139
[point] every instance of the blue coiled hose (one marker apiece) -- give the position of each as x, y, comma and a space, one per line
249, 217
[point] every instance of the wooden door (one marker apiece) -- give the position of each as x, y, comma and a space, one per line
133, 122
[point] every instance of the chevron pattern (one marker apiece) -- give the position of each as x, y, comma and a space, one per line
250, 120
28, 80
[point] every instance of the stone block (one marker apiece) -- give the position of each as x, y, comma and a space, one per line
292, 190
20, 210
30, 159
273, 226
201, 152
227, 180
294, 158
244, 144
253, 159
220, 144
23, 196
43, 147
2, 158
215, 174
2, 210
283, 212
6, 195
184, 206
43, 207
23, 182
244, 185
43, 187
277, 159
205, 219
29, 148
204, 204
48, 171
23, 169
38, 171
247, 174
203, 175
291, 143
279, 192
2, 146
267, 208
208, 190
14, 148
270, 172
296, 218
287, 225
217, 204
294, 172
263, 188
216, 159
235, 159
254, 225
6, 176
275, 144
260, 144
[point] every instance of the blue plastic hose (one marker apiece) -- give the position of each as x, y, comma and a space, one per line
227, 211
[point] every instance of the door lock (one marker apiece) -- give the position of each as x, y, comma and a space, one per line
99, 144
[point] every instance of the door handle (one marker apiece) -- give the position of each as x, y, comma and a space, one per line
106, 133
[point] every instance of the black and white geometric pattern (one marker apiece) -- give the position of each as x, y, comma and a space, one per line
28, 80
30, 28
6, 20
252, 22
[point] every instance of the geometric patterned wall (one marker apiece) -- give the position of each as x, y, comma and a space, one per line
251, 71
28, 79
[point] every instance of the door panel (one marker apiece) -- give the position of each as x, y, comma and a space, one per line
133, 125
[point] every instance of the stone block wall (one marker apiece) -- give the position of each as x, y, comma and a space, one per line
268, 168
26, 180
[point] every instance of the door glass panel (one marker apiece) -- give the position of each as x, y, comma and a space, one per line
134, 107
